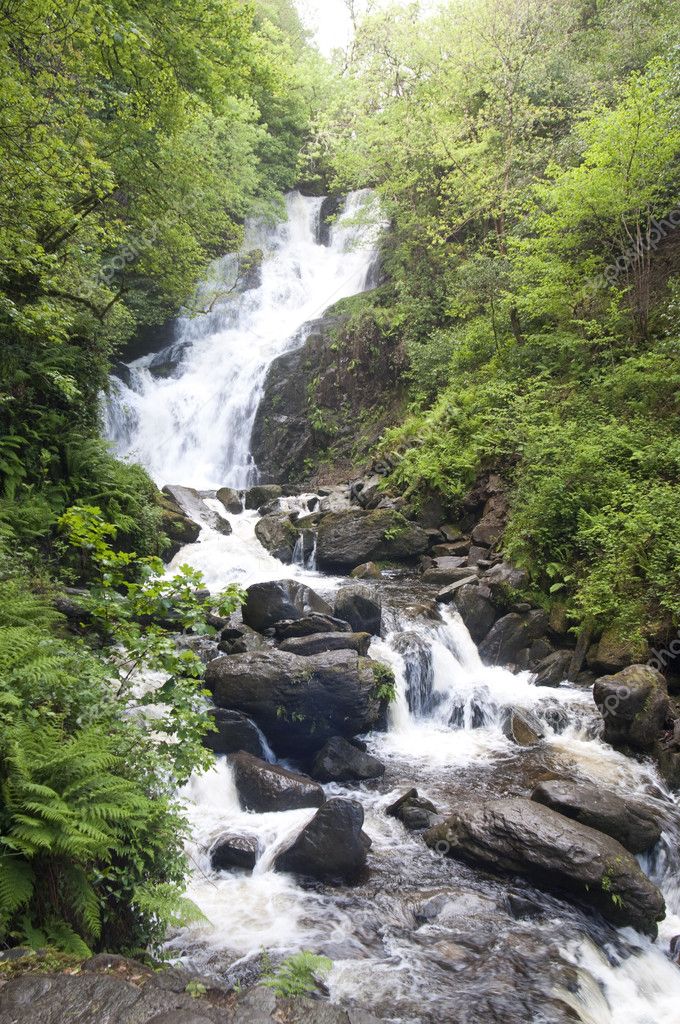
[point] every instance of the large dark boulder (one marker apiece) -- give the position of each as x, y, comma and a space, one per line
332, 846
283, 438
234, 732
635, 707
299, 703
268, 787
234, 852
278, 536
350, 538
231, 499
510, 635
630, 822
521, 837
268, 603
262, 494
126, 992
553, 669
476, 609
360, 607
340, 761
320, 642
176, 525
522, 728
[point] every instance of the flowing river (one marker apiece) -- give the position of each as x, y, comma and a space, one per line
423, 938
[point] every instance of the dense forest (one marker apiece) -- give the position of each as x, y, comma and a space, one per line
526, 155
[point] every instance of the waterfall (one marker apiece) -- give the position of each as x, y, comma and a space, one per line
187, 414
194, 425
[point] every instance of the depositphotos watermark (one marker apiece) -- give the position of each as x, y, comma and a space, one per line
643, 245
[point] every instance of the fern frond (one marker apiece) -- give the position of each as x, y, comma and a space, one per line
16, 883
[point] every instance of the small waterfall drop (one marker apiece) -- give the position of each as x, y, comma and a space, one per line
195, 425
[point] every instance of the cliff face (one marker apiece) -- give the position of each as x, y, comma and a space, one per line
284, 441
326, 403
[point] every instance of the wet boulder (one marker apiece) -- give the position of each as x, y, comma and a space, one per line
234, 852
510, 635
360, 607
231, 499
349, 538
189, 500
268, 603
474, 605
176, 525
635, 707
309, 625
278, 536
261, 495
367, 571
317, 643
234, 732
268, 787
553, 669
522, 728
521, 837
299, 702
332, 847
340, 761
445, 571
414, 811
633, 824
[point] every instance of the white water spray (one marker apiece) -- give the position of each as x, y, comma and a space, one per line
194, 427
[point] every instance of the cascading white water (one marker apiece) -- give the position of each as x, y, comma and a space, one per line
446, 731
445, 736
195, 426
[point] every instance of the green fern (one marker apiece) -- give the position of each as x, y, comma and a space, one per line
90, 841
297, 975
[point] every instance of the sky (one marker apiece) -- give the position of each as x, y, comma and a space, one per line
330, 21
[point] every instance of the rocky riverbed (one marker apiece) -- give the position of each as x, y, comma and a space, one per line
483, 851
419, 775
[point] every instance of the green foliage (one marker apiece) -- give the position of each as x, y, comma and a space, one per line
195, 989
297, 975
88, 824
385, 683
90, 834
533, 274
134, 140
137, 611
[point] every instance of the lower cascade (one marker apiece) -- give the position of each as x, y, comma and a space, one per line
422, 937
413, 935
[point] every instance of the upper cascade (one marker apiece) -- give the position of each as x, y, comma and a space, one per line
195, 425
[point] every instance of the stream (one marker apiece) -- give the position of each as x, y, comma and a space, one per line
423, 938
